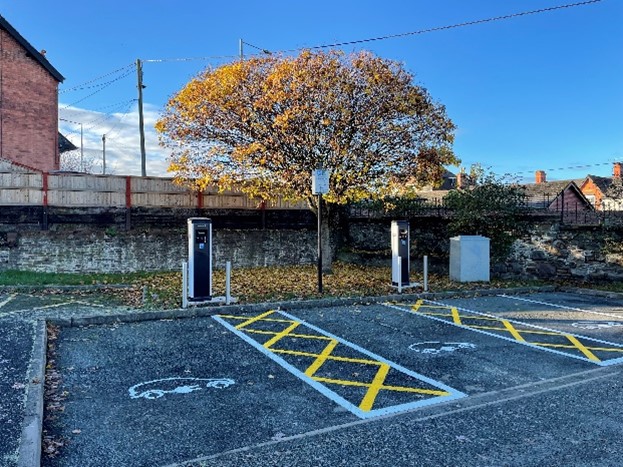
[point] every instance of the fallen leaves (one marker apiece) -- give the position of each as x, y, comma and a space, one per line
279, 283
54, 397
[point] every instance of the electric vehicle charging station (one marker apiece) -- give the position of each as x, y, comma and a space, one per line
197, 271
199, 259
401, 264
400, 253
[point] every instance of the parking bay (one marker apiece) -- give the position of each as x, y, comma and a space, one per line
167, 391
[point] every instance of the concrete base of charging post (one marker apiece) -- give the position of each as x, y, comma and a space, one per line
412, 285
220, 300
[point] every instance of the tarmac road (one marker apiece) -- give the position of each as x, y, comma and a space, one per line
412, 383
491, 380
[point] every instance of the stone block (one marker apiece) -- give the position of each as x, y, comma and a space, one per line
545, 270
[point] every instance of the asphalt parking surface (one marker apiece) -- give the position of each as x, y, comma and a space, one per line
20, 326
448, 383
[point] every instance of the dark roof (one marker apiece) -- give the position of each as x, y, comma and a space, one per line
446, 182
64, 144
603, 183
546, 189
38, 56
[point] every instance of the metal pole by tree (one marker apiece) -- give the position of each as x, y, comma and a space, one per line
320, 186
104, 154
81, 149
141, 123
319, 243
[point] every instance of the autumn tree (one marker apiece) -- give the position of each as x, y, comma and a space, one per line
262, 125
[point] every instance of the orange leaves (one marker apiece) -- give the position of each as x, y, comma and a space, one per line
274, 119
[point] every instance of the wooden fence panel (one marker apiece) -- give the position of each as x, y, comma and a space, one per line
164, 200
84, 190
18, 188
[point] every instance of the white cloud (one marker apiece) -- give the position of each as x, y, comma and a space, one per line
123, 155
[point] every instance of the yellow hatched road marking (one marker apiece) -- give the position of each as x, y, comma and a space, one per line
523, 331
455, 316
254, 319
282, 334
431, 392
375, 387
568, 346
321, 358
292, 334
513, 331
518, 334
337, 358
582, 348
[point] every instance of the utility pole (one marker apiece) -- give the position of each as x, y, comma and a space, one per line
141, 123
240, 50
104, 154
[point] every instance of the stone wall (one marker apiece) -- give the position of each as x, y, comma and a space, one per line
111, 251
553, 251
85, 241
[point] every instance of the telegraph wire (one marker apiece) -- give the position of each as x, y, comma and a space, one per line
572, 167
118, 122
84, 85
188, 59
99, 90
439, 28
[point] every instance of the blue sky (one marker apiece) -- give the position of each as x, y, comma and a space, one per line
541, 91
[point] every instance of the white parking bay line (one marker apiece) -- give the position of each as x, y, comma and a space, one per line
7, 300
556, 305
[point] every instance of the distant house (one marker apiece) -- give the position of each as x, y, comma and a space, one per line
605, 193
28, 103
448, 182
434, 193
562, 195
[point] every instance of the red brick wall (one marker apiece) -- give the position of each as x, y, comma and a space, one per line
592, 192
28, 108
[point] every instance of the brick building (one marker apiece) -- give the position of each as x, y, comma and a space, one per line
28, 103
606, 193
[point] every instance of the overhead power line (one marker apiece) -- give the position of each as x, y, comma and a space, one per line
571, 167
438, 28
101, 88
86, 84
188, 59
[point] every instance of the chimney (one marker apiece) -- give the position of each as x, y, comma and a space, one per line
462, 179
616, 170
539, 176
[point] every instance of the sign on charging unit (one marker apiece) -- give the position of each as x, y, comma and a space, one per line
400, 252
199, 258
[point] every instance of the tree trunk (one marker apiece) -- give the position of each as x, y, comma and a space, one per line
329, 229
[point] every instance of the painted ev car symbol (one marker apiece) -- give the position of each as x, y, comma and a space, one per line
597, 324
436, 348
159, 387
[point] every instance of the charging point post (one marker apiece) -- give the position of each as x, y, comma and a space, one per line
401, 262
199, 258
400, 253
